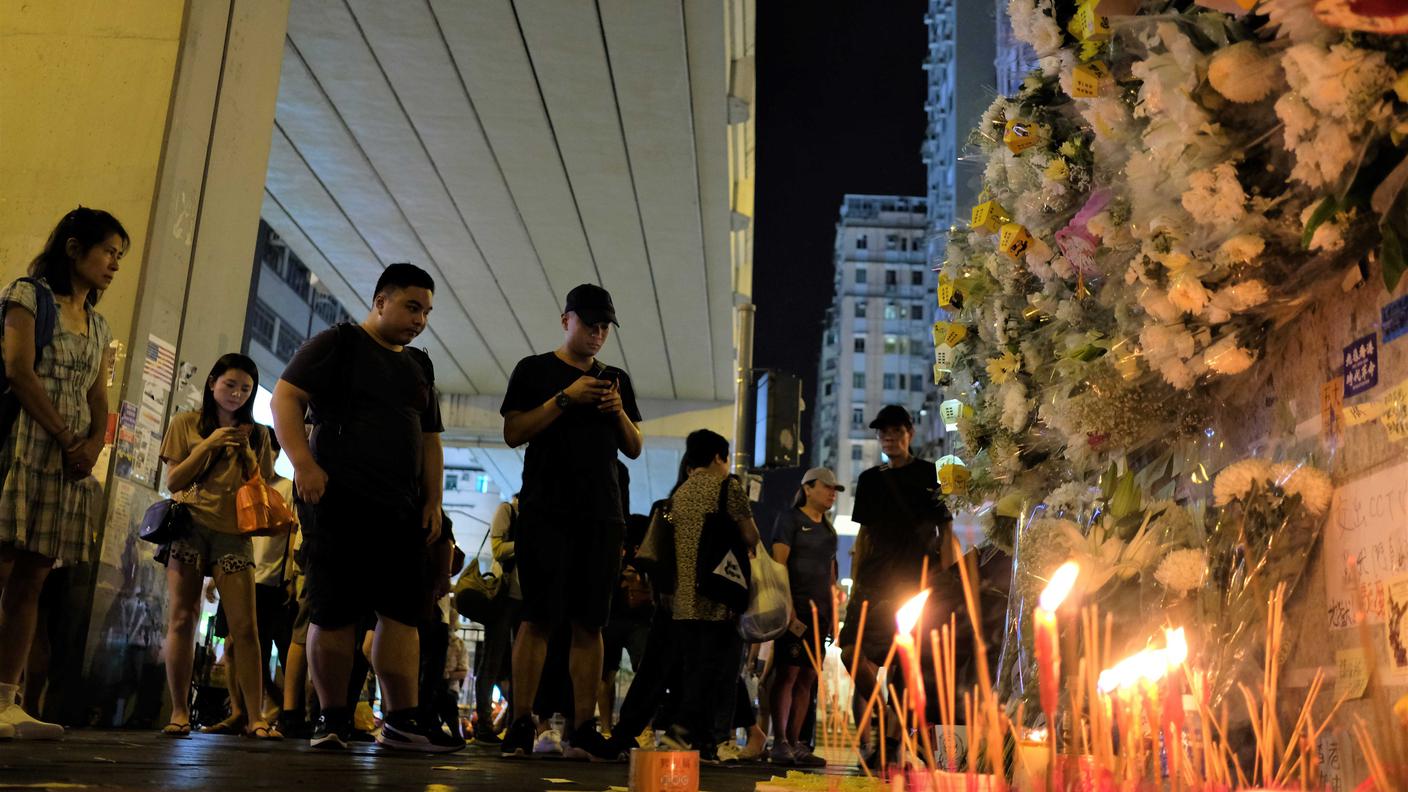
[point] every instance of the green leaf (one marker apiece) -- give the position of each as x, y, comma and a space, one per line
1391, 258
1323, 212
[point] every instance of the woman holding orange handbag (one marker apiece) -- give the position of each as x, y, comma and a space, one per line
210, 455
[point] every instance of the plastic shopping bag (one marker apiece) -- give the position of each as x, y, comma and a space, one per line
769, 601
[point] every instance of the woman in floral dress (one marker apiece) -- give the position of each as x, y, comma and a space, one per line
49, 500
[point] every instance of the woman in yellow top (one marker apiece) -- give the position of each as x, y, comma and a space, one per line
209, 455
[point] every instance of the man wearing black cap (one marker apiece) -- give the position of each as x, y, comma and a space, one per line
902, 522
575, 414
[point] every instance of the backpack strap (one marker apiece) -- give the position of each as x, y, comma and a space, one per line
46, 315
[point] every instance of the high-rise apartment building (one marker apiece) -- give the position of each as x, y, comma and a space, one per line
877, 347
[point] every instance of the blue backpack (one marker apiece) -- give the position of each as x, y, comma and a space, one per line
46, 316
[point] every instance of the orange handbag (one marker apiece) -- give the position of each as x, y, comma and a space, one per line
261, 510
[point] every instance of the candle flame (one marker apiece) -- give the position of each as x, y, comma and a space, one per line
1177, 651
1060, 586
1149, 665
908, 615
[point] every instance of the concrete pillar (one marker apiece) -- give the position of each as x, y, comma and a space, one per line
160, 112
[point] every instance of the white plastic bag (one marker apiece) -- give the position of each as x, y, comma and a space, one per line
769, 602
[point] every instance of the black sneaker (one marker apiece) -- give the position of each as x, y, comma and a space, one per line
331, 733
409, 734
518, 740
294, 727
487, 738
587, 745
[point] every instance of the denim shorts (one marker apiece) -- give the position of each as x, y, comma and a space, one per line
205, 549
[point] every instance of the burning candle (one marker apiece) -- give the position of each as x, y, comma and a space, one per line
1048, 650
905, 620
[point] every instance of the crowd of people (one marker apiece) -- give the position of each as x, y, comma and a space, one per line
363, 584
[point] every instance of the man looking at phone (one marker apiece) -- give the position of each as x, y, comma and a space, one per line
575, 413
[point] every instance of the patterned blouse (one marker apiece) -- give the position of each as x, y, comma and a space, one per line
696, 498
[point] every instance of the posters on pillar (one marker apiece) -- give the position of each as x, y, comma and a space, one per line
1396, 623
158, 371
1366, 545
1361, 365
138, 443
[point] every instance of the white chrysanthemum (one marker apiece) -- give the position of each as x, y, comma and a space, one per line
1176, 373
1072, 497
1342, 81
1241, 296
1015, 406
1109, 118
1242, 73
1311, 484
1173, 524
1225, 357
1322, 158
1215, 197
1235, 480
1188, 294
1242, 249
1182, 571
1157, 304
1329, 235
1294, 20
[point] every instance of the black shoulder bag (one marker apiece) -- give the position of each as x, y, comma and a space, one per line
724, 573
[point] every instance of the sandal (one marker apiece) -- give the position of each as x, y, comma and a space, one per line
227, 726
263, 733
174, 729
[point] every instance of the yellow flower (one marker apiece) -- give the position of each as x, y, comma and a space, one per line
1057, 170
1068, 148
1001, 369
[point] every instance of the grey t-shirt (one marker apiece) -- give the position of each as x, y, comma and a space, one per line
810, 561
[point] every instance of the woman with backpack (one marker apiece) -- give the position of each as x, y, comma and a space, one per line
54, 419
209, 455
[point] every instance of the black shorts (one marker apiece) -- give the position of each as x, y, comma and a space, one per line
623, 633
568, 568
879, 627
790, 649
364, 559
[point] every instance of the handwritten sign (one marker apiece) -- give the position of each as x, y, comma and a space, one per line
1361, 365
1331, 402
1368, 524
1396, 623
1352, 674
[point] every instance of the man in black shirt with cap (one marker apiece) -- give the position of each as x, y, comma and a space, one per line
902, 523
575, 413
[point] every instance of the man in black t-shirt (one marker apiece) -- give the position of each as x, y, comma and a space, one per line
575, 414
369, 484
902, 523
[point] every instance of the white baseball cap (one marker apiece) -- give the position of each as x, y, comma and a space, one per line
824, 475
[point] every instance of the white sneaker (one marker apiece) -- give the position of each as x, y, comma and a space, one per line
25, 727
730, 752
549, 742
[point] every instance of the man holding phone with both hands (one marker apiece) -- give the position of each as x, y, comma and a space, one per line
575, 413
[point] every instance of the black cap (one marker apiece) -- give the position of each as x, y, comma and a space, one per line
892, 415
592, 304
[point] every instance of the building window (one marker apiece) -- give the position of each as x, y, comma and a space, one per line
296, 276
862, 242
857, 417
858, 380
892, 242
916, 278
262, 324
892, 345
889, 382
892, 278
916, 312
826, 389
289, 342
892, 311
857, 452
860, 274
904, 243
903, 384
916, 384
860, 309
860, 345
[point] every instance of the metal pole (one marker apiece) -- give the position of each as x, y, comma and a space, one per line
743, 389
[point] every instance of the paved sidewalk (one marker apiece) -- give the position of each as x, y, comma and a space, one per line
135, 760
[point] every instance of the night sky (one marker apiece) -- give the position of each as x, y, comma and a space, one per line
840, 105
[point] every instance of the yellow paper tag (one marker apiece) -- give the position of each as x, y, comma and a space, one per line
954, 478
938, 375
950, 333
945, 291
988, 216
1087, 25
1019, 135
1352, 674
1331, 402
1086, 79
1014, 240
945, 357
